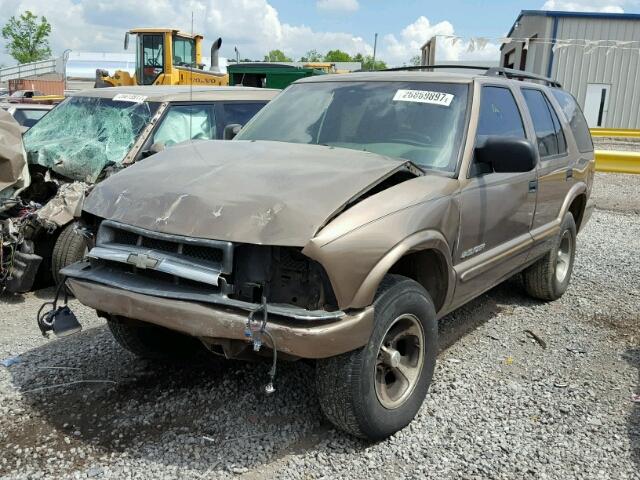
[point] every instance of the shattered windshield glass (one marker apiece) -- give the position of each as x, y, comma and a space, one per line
83, 135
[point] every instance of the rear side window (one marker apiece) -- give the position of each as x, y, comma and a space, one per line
549, 134
499, 114
576, 119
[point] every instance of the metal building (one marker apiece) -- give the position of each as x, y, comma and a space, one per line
596, 56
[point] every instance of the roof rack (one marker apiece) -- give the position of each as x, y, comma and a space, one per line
511, 73
430, 67
489, 71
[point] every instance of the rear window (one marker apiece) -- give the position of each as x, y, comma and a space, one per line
550, 137
575, 117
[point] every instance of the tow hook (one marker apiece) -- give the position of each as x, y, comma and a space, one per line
59, 319
254, 331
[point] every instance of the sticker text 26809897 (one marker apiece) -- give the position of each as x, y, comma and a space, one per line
423, 96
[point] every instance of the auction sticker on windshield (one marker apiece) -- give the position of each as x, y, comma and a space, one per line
423, 96
128, 97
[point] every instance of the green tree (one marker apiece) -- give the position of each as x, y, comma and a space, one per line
312, 56
367, 62
28, 38
337, 56
416, 60
276, 56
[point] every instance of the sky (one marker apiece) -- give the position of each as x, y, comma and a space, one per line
296, 26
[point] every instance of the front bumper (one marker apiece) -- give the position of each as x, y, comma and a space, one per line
316, 338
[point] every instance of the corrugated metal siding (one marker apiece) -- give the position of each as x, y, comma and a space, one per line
574, 67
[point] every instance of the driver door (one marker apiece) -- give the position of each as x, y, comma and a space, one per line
496, 209
150, 58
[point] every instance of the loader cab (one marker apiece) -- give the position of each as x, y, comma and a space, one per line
159, 52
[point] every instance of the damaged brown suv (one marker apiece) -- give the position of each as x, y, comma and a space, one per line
343, 221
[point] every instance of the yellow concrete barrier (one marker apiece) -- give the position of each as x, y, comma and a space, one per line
617, 162
615, 132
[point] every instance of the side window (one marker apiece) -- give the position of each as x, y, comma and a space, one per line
549, 134
575, 117
240, 112
499, 114
184, 52
562, 141
186, 122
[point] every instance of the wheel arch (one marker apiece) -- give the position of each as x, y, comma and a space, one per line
577, 208
424, 257
575, 202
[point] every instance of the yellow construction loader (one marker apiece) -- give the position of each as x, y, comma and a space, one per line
165, 56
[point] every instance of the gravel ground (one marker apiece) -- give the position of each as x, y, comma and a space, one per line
619, 144
502, 405
617, 192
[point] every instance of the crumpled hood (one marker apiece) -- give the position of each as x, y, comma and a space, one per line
256, 192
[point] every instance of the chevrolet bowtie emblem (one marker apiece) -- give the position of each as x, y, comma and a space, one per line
142, 260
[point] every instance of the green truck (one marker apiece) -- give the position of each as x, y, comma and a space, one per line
268, 75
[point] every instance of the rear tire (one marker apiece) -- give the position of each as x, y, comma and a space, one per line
152, 342
549, 277
364, 392
70, 247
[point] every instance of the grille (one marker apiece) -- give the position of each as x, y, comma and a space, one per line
125, 237
202, 253
161, 245
214, 254
161, 279
193, 252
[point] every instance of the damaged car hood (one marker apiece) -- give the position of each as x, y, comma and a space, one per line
256, 192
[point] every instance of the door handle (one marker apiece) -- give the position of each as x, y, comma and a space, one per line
533, 185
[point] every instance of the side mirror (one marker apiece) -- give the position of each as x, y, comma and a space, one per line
153, 149
126, 41
231, 130
507, 154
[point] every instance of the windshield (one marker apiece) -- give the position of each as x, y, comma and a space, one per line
83, 135
417, 121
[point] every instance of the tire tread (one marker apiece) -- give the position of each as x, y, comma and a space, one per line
539, 278
338, 379
151, 342
69, 248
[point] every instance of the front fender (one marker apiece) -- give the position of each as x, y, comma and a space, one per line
424, 240
357, 261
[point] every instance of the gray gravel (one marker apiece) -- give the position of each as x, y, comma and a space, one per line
619, 144
501, 405
617, 192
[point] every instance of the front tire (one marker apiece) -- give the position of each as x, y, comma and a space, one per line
70, 247
549, 277
152, 342
378, 389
